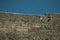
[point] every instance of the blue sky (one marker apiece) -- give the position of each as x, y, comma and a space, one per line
30, 6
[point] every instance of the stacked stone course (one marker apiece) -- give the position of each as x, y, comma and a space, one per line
29, 27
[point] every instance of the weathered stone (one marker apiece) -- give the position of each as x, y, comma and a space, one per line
29, 27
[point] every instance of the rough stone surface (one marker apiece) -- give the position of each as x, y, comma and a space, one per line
29, 27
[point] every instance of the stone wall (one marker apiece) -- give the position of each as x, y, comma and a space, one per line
29, 27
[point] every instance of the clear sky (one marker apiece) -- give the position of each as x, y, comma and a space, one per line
30, 6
